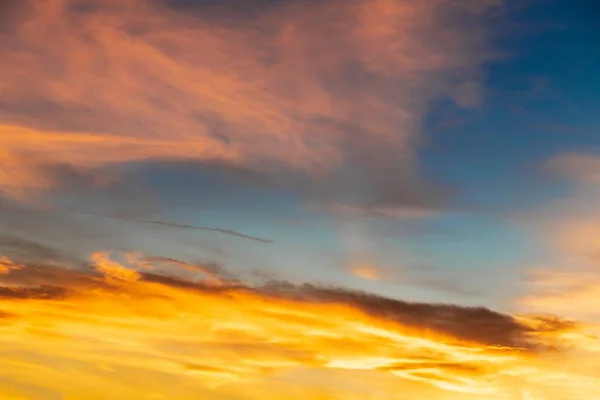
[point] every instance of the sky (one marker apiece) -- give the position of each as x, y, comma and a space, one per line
299, 186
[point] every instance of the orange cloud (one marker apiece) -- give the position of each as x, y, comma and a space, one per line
7, 265
308, 88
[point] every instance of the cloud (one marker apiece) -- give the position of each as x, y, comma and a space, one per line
40, 234
176, 225
331, 94
463, 323
476, 324
28, 250
55, 235
570, 228
7, 265
406, 212
220, 339
573, 221
211, 274
40, 293
581, 168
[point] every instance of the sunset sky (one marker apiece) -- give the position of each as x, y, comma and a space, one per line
299, 199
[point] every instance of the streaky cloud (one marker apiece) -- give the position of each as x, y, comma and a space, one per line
174, 225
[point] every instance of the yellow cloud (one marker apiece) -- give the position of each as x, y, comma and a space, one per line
104, 337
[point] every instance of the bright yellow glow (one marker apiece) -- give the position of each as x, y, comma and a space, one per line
124, 337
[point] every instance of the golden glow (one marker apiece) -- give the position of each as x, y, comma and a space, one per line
122, 336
